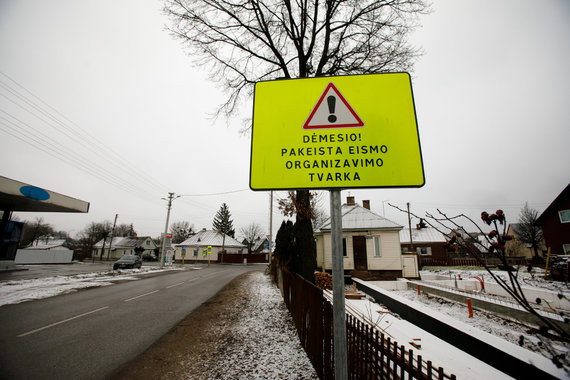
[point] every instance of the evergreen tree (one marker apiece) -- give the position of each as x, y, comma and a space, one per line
529, 233
223, 222
285, 242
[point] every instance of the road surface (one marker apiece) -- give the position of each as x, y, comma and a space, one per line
90, 333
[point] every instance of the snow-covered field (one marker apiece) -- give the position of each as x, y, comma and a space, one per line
17, 291
533, 279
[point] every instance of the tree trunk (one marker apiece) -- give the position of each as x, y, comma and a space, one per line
305, 261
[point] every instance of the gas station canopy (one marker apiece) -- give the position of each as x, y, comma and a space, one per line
19, 196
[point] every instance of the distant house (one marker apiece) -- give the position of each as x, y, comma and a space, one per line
260, 246
426, 242
133, 245
45, 243
193, 247
516, 248
45, 250
555, 223
371, 244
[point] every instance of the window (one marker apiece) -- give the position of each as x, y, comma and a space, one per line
377, 252
566, 248
426, 251
564, 216
344, 254
196, 252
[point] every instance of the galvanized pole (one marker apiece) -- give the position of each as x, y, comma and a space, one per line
270, 225
339, 317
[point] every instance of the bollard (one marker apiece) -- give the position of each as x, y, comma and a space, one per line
469, 308
418, 289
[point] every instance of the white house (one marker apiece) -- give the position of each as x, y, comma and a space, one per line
193, 247
45, 243
45, 250
371, 244
132, 245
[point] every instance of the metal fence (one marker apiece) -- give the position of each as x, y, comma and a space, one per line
491, 261
370, 354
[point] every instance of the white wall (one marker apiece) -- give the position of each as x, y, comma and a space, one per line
52, 256
390, 258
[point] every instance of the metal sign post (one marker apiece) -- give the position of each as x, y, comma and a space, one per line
341, 132
339, 324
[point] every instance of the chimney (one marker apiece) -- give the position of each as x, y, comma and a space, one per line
350, 201
366, 204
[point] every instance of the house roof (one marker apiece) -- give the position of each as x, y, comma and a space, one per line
46, 243
355, 217
205, 238
123, 242
259, 243
565, 194
423, 235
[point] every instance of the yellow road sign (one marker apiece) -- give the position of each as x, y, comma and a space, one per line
335, 133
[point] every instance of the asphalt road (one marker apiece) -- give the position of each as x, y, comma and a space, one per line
90, 333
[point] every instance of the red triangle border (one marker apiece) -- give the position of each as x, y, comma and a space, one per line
359, 122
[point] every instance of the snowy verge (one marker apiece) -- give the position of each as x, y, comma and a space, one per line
16, 291
440, 314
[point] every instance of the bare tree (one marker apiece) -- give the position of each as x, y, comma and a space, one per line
529, 233
91, 234
246, 41
181, 231
494, 245
125, 230
252, 233
32, 231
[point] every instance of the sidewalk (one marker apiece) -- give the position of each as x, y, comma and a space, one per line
244, 332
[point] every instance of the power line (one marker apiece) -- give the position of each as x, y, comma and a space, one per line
76, 134
212, 194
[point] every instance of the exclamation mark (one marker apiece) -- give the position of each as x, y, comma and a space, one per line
331, 100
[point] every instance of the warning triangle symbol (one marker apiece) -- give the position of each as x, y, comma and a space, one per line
332, 111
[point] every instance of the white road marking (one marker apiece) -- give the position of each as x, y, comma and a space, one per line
60, 322
142, 295
172, 286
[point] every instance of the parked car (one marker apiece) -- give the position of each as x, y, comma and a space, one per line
128, 261
149, 257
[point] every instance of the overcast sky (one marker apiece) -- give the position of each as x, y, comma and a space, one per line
130, 114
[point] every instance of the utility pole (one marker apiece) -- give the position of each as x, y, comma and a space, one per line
410, 227
162, 255
112, 235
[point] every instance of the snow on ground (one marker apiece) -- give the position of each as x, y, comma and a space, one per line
263, 343
442, 354
488, 322
533, 279
17, 291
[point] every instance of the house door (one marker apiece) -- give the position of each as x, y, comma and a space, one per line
359, 249
410, 266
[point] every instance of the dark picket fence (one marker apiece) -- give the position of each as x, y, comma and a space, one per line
240, 258
370, 354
